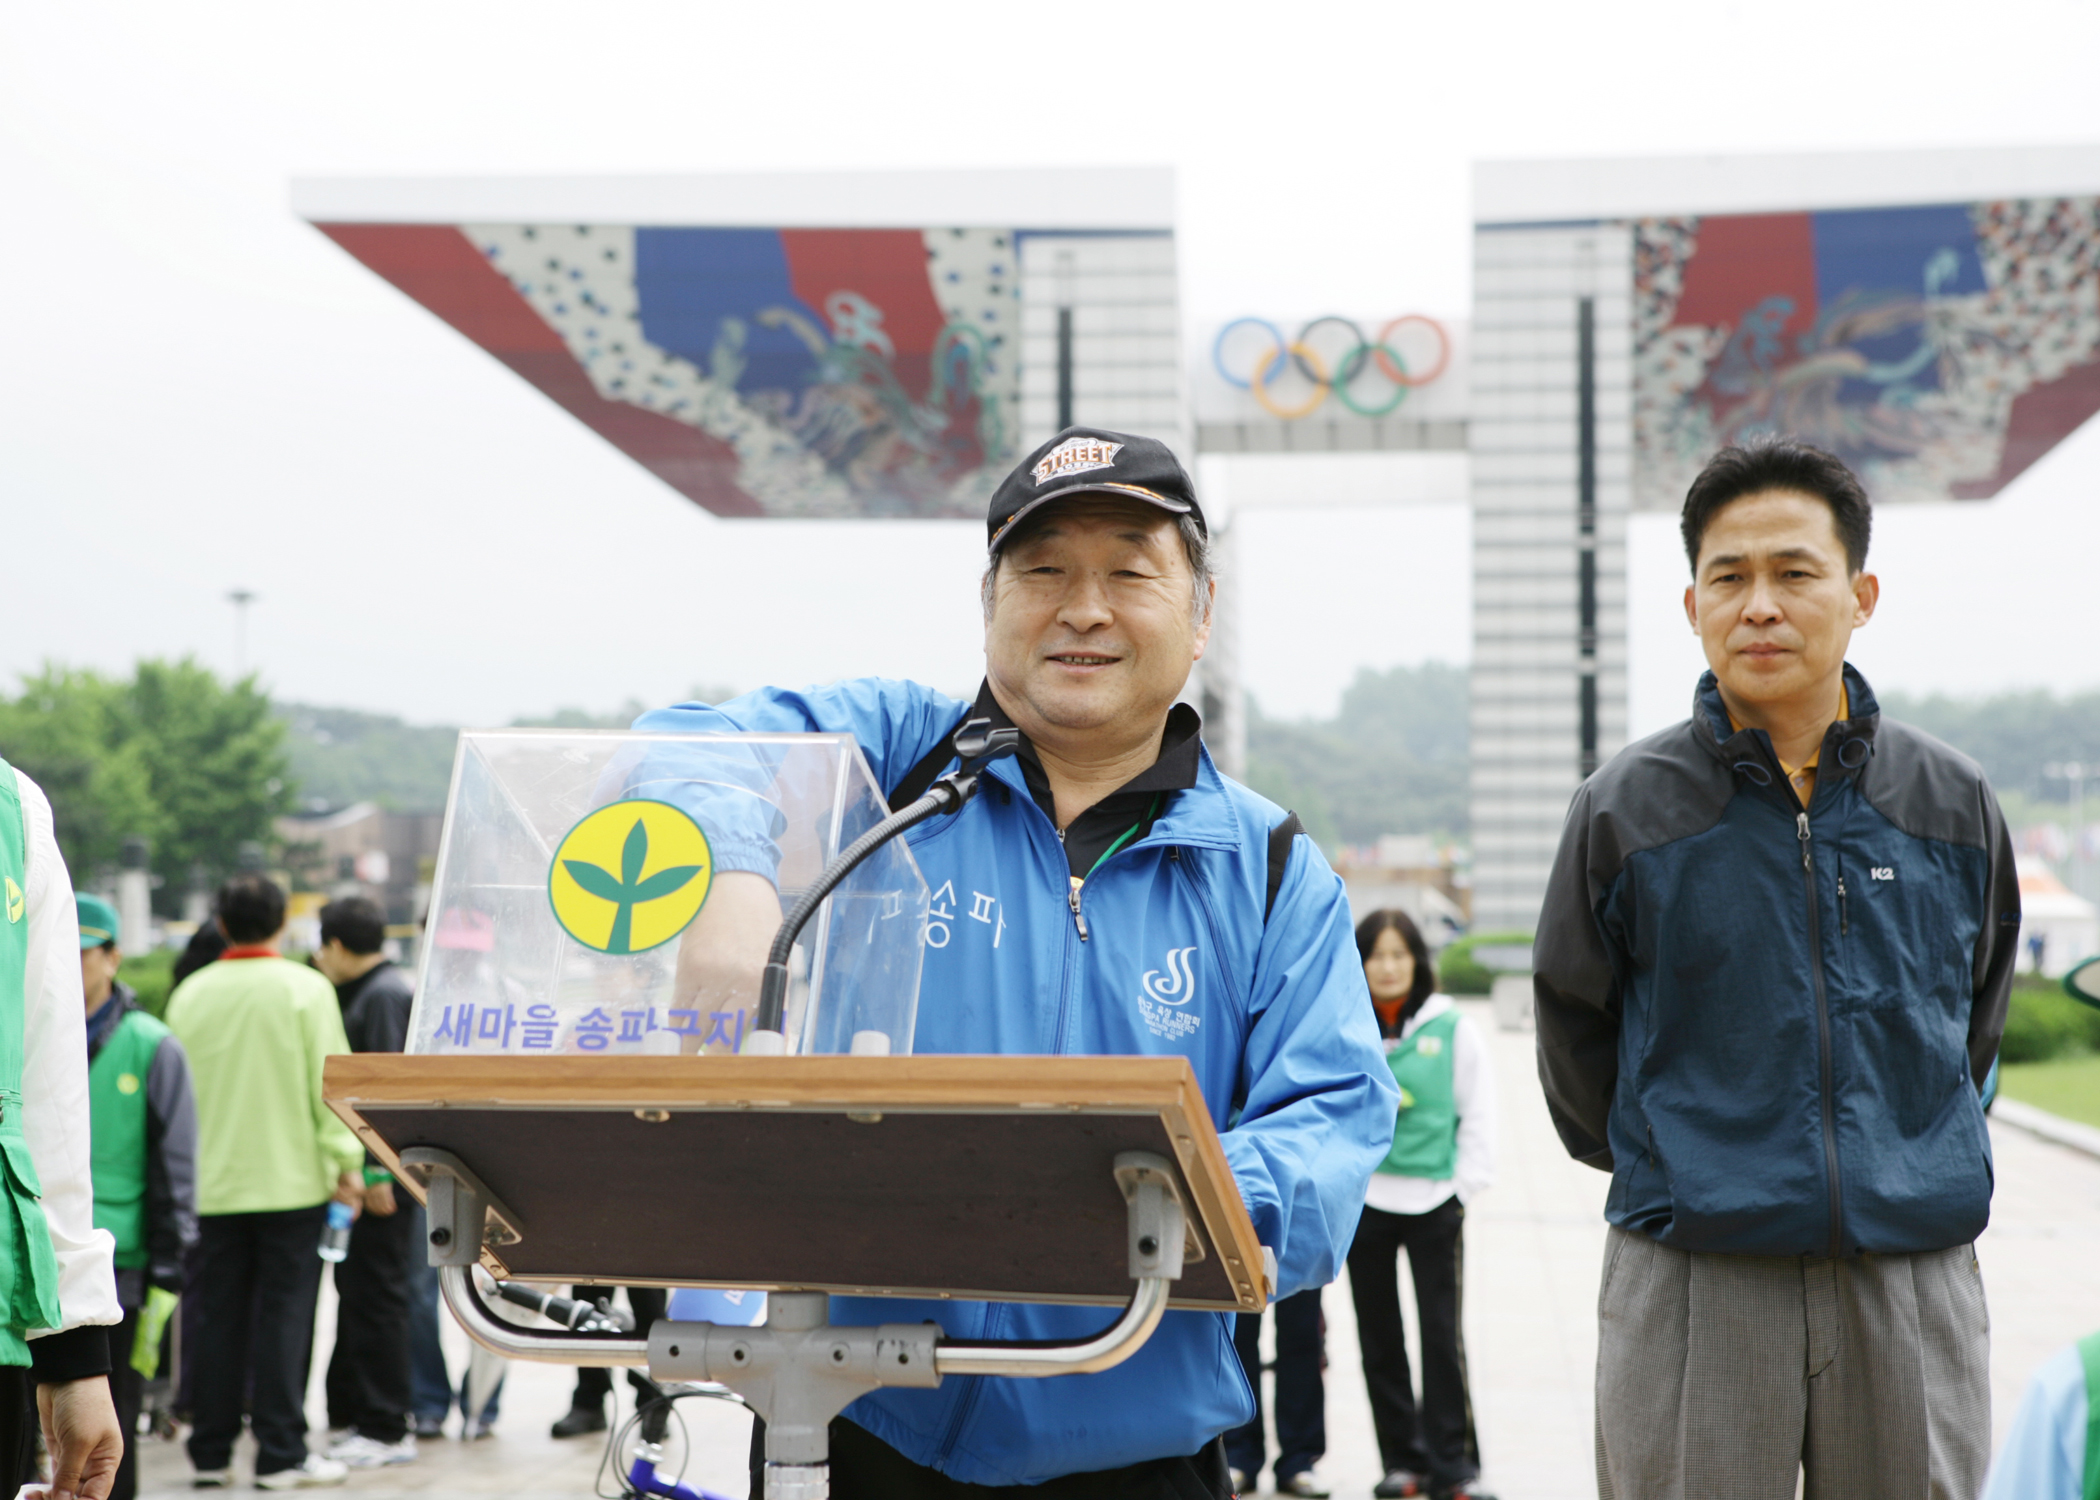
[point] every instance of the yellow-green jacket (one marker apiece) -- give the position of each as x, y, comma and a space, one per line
256, 1031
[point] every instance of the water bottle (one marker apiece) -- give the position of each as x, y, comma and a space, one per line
335, 1239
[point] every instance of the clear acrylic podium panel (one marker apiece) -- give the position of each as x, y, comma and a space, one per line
614, 894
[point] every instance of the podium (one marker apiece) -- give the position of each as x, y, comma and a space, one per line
663, 1037
1096, 1180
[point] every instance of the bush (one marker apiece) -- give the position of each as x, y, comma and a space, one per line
151, 974
1458, 974
2044, 1022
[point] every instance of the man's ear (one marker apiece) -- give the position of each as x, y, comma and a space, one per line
1210, 613
1866, 594
1691, 606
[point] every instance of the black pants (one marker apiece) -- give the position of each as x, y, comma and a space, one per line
864, 1467
594, 1382
127, 1390
1301, 1392
1438, 1438
368, 1379
254, 1280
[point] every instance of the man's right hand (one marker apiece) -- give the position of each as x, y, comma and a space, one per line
350, 1189
82, 1432
722, 955
379, 1199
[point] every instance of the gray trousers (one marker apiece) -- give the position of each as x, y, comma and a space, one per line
1726, 1377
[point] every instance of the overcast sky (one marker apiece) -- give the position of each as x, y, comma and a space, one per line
200, 392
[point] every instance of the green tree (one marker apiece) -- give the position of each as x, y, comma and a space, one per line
341, 755
66, 732
215, 759
1393, 760
194, 765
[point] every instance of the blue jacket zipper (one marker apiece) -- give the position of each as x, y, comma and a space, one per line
967, 1402
1828, 1071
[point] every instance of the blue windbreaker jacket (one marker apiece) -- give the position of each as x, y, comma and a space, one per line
1769, 1023
1279, 1030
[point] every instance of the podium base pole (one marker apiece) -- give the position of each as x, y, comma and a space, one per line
798, 1481
799, 1370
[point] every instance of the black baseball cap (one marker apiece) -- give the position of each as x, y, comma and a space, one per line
1093, 461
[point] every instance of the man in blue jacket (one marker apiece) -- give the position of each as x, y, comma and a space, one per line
1108, 892
1773, 966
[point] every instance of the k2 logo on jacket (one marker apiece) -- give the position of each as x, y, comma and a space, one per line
1882, 872
1166, 992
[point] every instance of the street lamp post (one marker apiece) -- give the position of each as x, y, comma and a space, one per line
240, 599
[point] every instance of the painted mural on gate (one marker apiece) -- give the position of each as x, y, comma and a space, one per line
759, 372
1939, 350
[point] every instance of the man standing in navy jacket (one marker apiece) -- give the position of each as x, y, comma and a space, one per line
1773, 966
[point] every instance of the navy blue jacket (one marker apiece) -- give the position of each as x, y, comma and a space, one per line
1770, 1023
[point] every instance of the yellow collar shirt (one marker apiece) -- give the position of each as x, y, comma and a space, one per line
1802, 778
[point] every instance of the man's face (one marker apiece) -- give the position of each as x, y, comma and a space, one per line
1091, 624
1773, 598
335, 962
98, 970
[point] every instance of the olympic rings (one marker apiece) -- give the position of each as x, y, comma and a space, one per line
1352, 364
1347, 368
1260, 384
1397, 372
1217, 348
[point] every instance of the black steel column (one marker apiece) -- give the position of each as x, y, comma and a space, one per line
1586, 519
1064, 368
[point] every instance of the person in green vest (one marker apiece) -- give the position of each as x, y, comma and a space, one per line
58, 1288
1443, 1155
2052, 1449
143, 1122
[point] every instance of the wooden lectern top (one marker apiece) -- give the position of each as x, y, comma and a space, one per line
965, 1177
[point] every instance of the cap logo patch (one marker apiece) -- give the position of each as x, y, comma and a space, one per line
1075, 456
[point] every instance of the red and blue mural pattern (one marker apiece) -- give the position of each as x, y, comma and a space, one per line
777, 372
1939, 350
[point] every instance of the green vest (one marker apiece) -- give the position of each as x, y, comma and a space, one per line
117, 1119
1425, 1141
28, 1268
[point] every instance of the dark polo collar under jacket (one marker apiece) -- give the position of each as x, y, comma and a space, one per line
1125, 814
1770, 1022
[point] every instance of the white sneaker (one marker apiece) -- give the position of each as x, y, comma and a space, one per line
312, 1474
212, 1479
361, 1452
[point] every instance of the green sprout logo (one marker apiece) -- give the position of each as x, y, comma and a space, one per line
602, 910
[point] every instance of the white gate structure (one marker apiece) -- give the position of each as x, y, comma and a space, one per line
886, 344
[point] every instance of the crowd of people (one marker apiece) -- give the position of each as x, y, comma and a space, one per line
1772, 969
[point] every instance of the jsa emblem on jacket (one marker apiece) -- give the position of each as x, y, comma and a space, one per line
1166, 991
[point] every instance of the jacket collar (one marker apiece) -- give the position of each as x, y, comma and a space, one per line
348, 992
103, 1024
1432, 1006
1848, 744
1196, 811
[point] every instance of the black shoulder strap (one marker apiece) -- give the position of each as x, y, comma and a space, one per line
921, 776
1281, 837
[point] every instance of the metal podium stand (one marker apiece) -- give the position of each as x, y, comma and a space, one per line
1096, 1180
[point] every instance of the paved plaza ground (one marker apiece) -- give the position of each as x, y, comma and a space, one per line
1532, 1254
